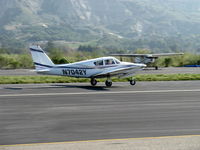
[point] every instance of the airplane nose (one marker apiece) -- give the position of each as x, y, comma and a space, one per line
143, 65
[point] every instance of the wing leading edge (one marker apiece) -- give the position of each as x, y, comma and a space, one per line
147, 55
118, 72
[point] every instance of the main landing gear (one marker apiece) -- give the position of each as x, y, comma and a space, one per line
93, 82
108, 83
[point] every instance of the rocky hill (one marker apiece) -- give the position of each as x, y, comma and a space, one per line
153, 24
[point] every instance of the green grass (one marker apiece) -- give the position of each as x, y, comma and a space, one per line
59, 79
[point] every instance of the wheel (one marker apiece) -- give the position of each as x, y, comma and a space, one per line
132, 82
108, 83
93, 82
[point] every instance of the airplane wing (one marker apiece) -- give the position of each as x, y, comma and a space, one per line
147, 55
130, 55
166, 54
116, 72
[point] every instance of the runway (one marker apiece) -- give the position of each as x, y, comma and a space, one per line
42, 113
167, 70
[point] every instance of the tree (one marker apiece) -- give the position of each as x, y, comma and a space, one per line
143, 51
167, 62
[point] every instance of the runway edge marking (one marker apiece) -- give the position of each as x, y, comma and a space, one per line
102, 140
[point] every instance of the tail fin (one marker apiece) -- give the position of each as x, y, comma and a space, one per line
40, 59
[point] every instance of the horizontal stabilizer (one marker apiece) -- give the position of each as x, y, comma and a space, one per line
41, 70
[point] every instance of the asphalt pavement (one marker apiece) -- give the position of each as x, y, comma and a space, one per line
42, 113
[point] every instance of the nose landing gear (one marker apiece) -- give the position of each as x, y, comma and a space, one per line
132, 82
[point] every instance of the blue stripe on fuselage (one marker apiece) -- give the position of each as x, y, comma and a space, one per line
127, 66
43, 65
36, 50
59, 66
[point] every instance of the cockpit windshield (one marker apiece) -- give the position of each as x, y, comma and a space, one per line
117, 61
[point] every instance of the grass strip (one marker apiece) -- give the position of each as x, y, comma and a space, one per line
60, 79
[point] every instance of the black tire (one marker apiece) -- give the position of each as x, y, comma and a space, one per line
108, 83
132, 82
93, 82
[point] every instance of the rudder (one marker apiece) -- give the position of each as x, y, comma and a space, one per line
40, 59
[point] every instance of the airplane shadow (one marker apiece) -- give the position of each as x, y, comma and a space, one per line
12, 88
87, 87
51, 86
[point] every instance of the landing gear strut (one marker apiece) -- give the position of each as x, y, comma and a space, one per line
108, 81
93, 82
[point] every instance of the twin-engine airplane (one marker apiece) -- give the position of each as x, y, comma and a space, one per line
146, 58
104, 67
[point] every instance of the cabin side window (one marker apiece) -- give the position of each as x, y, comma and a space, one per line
98, 63
109, 62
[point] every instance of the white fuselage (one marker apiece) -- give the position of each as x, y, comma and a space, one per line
90, 68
